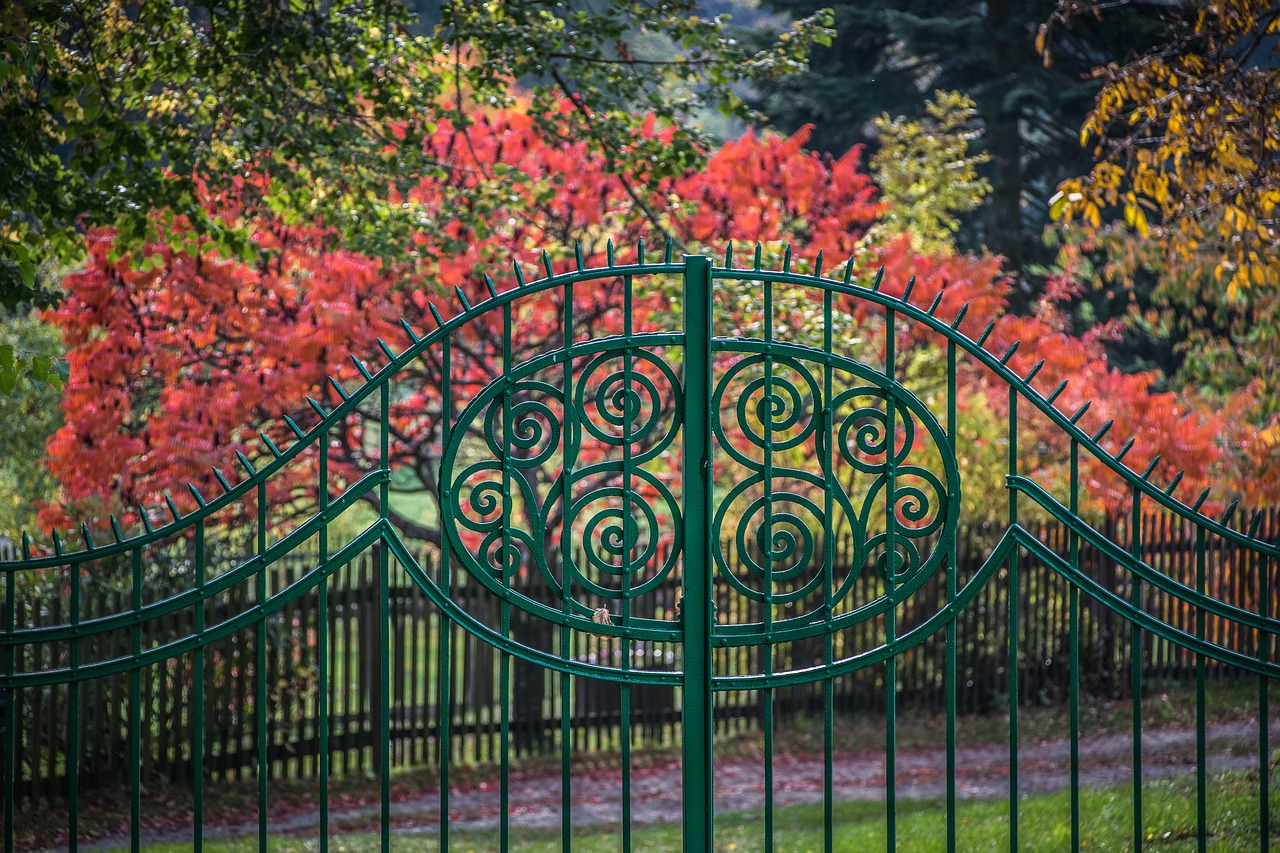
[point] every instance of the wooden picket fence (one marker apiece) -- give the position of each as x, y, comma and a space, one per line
537, 702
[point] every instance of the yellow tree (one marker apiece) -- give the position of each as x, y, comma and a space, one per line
1186, 138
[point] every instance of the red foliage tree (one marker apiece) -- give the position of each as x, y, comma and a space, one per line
173, 363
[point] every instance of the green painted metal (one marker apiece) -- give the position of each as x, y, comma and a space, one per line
678, 449
698, 771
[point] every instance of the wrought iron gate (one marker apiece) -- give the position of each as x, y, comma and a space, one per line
720, 425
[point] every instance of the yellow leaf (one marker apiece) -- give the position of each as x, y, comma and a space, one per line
1137, 219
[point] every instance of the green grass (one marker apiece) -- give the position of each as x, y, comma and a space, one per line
1044, 824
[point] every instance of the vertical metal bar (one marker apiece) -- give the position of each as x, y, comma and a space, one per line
322, 641
197, 729
1135, 671
504, 659
629, 546
828, 585
135, 714
696, 691
566, 584
1264, 708
1013, 626
10, 715
952, 583
1202, 809
444, 669
1073, 605
73, 721
384, 628
891, 615
260, 675
768, 693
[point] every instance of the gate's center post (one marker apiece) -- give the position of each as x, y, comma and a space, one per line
696, 608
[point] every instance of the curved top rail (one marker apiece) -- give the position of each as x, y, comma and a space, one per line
420, 343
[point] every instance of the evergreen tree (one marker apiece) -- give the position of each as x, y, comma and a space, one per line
890, 55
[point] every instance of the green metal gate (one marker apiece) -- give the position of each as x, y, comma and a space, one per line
726, 441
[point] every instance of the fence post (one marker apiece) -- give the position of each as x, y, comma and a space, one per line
696, 616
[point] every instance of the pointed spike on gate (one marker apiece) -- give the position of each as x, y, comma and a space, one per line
1204, 496
906, 291
195, 493
337, 386
1008, 354
386, 350
640, 252
26, 545
786, 258
728, 256
1152, 466
515, 266
244, 461
435, 312
986, 333
319, 409
933, 306
877, 280
577, 255
408, 330
57, 543
222, 481
1124, 451
759, 251
271, 445
1106, 428
817, 266
88, 540
1031, 374
146, 519
489, 285
666, 253
1080, 412
964, 309
293, 426
173, 510
1255, 521
1057, 392
608, 252
1231, 510
848, 271
1173, 484
115, 529
462, 298
546, 264
364, 371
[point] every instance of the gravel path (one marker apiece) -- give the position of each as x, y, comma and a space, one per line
536, 800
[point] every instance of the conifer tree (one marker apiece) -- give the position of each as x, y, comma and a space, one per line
889, 56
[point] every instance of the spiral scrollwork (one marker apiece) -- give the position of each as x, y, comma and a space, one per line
828, 450
772, 400
565, 470
625, 400
568, 489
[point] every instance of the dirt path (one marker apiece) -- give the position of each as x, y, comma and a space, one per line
536, 800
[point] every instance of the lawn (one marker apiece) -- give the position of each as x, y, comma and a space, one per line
1044, 824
